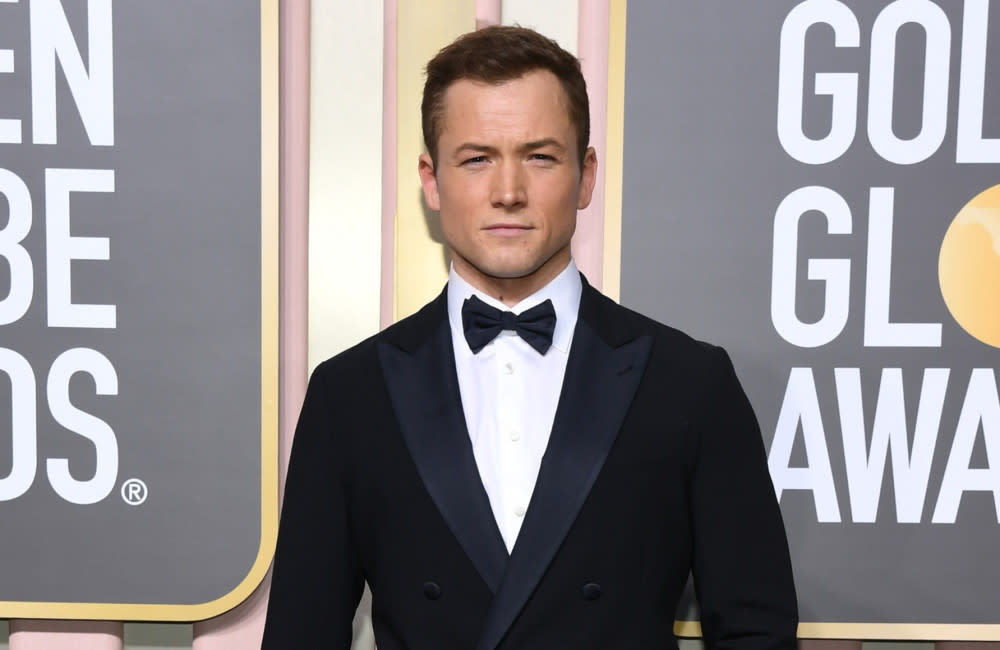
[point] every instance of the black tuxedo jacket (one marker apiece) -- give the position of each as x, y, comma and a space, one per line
655, 468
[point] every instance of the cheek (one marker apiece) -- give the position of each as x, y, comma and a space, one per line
455, 227
563, 203
458, 199
563, 211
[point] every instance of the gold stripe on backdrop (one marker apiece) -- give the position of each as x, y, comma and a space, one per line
876, 631
270, 239
899, 631
614, 152
423, 28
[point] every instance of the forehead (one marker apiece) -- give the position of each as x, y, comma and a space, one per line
525, 106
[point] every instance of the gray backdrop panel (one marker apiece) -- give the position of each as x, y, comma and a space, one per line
704, 172
184, 225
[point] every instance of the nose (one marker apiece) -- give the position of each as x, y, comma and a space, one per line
508, 190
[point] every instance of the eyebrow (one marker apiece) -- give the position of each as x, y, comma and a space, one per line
538, 144
527, 146
471, 146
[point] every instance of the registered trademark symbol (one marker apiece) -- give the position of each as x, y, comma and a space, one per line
134, 491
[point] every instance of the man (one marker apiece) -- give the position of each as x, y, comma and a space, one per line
540, 481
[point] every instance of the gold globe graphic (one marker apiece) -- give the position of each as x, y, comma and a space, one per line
969, 267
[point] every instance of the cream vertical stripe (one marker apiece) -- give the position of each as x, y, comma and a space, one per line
557, 19
613, 150
422, 28
345, 175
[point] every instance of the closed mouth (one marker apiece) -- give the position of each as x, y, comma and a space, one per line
507, 226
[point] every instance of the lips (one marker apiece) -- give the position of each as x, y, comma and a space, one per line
507, 230
504, 227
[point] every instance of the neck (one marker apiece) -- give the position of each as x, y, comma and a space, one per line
511, 291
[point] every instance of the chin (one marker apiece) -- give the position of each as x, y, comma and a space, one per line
507, 266
507, 273
505, 269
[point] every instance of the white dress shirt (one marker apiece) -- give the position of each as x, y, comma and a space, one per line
510, 392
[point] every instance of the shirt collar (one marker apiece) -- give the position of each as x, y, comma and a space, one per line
564, 291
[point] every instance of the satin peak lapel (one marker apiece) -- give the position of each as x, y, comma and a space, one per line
598, 388
423, 388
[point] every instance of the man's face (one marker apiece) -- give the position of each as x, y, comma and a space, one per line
508, 181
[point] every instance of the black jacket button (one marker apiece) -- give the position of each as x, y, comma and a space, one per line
591, 591
432, 590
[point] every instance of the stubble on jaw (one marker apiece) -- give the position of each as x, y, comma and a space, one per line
511, 289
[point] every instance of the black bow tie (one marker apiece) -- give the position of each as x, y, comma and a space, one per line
482, 323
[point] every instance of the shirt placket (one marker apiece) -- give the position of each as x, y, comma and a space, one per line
510, 433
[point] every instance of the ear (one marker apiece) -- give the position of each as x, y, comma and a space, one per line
425, 167
588, 177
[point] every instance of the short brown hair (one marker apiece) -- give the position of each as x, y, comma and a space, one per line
497, 54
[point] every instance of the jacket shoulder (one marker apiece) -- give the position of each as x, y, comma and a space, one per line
407, 333
618, 324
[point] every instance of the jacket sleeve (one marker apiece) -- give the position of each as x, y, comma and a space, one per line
741, 566
317, 580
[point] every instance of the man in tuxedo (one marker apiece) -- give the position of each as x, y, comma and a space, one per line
523, 464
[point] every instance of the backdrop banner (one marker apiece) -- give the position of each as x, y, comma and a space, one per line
816, 186
137, 374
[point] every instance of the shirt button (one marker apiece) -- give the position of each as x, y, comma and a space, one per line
519, 512
515, 435
508, 368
